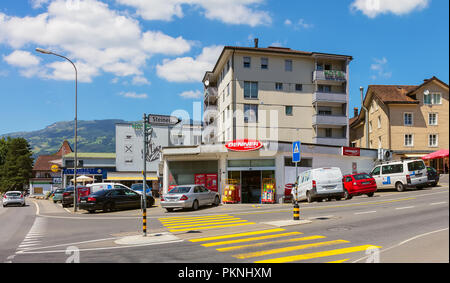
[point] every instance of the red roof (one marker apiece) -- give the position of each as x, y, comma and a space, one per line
44, 162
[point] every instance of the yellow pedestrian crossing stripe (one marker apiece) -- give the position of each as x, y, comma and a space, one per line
263, 238
188, 223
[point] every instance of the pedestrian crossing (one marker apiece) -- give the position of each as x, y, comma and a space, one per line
189, 223
34, 236
281, 246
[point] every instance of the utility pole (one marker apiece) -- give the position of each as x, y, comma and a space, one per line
144, 178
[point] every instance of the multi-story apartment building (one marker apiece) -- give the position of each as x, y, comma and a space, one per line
277, 94
411, 120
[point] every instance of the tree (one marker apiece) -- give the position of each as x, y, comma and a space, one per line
16, 164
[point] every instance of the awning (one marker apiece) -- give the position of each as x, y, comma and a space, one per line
437, 154
130, 176
415, 155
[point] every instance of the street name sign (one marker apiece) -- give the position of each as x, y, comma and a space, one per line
162, 120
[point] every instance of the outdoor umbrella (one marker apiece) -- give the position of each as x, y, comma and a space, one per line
437, 154
83, 179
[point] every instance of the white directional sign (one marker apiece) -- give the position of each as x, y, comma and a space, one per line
162, 120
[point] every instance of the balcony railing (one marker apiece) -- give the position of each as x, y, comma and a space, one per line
337, 141
211, 93
329, 97
332, 120
210, 113
329, 75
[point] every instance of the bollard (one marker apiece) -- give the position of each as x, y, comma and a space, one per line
296, 211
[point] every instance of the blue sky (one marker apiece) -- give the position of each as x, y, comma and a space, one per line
137, 56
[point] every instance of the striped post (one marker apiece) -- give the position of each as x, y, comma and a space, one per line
144, 221
296, 211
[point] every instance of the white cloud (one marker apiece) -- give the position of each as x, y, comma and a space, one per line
98, 38
138, 80
300, 24
36, 4
380, 68
372, 8
188, 69
133, 95
227, 11
191, 94
23, 59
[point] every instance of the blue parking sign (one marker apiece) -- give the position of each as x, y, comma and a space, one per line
296, 151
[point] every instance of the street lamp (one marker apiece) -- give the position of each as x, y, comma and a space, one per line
75, 199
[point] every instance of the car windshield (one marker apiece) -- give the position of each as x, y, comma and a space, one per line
15, 194
362, 176
69, 189
100, 193
180, 190
416, 165
137, 187
59, 191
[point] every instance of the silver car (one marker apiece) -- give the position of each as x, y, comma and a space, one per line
13, 197
189, 196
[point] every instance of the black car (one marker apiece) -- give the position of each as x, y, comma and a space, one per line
433, 176
113, 199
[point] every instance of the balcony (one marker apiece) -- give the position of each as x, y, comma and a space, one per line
330, 120
338, 98
336, 141
330, 76
210, 113
211, 95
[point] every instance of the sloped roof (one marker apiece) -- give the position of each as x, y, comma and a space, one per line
44, 162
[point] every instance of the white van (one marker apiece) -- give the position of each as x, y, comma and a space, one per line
400, 174
105, 186
318, 184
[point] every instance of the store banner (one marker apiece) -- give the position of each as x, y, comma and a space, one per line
351, 151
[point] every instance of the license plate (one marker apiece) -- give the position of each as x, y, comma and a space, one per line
365, 183
83, 201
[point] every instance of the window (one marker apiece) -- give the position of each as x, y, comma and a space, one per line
324, 88
247, 62
288, 110
432, 119
379, 142
250, 113
376, 171
278, 86
288, 65
298, 87
432, 98
370, 126
304, 162
379, 122
392, 169
409, 140
325, 110
228, 89
264, 63
328, 132
408, 119
416, 165
432, 140
251, 90
319, 67
327, 67
228, 65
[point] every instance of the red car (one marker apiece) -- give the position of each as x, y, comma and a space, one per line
359, 184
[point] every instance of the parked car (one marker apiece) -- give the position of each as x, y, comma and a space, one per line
138, 189
318, 184
359, 184
433, 177
13, 197
400, 174
67, 198
113, 199
189, 196
105, 186
58, 195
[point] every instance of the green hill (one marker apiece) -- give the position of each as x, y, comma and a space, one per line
93, 136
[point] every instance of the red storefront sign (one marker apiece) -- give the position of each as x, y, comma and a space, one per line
351, 151
243, 145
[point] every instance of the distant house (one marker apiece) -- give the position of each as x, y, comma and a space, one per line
45, 177
411, 120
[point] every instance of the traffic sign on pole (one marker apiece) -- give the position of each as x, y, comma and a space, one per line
296, 156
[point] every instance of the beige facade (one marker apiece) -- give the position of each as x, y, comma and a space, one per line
411, 126
277, 94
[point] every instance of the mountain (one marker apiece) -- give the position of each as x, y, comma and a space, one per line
93, 136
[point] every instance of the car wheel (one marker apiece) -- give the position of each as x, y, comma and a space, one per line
91, 211
195, 205
434, 184
347, 196
216, 201
55, 201
370, 194
108, 207
169, 209
400, 187
150, 203
309, 197
338, 198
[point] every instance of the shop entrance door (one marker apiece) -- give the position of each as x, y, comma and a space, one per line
251, 186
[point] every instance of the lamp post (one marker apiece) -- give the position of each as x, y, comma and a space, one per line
75, 199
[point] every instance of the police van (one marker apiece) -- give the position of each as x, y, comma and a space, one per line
400, 174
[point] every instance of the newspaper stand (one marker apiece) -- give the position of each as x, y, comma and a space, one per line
231, 191
268, 190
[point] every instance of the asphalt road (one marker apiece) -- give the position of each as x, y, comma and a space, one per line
411, 226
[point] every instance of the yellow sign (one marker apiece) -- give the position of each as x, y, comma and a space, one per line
55, 168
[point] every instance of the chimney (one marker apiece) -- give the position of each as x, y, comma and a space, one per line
256, 42
355, 112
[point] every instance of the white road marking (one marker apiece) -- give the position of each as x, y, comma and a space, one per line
406, 207
365, 212
436, 203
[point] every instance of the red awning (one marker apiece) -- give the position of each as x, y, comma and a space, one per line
437, 154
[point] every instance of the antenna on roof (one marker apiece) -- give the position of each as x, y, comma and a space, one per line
256, 40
